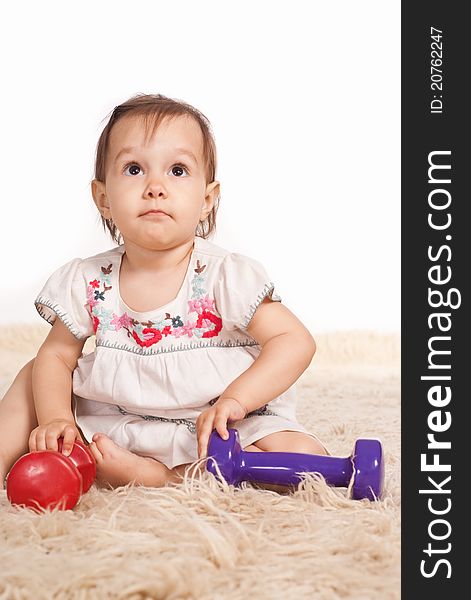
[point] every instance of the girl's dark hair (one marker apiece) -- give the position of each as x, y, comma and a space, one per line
154, 108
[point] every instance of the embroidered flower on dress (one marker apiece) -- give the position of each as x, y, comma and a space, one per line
91, 300
207, 303
151, 336
123, 321
197, 285
194, 306
214, 319
185, 330
199, 268
149, 333
96, 322
200, 304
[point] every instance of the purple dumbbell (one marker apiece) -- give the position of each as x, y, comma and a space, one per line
365, 465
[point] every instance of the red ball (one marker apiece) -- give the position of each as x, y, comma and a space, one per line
44, 479
83, 459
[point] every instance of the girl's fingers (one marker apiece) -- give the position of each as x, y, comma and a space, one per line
51, 439
204, 432
220, 424
218, 421
41, 440
69, 439
32, 441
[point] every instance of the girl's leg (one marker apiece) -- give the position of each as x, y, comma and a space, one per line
17, 420
290, 441
287, 441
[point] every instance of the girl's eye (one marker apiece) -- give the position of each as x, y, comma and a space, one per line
133, 167
178, 170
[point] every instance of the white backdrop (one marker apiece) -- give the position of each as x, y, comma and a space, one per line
304, 100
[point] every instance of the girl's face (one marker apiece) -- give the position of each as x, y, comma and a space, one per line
167, 174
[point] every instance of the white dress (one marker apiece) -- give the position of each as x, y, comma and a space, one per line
151, 374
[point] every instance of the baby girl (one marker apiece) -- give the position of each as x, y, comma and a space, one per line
189, 337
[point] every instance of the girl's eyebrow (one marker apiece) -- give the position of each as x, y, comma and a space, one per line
130, 149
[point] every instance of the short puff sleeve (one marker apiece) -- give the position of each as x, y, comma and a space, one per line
64, 295
240, 288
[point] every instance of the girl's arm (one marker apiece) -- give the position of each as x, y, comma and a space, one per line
52, 381
287, 349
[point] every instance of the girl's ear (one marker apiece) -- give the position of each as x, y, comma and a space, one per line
212, 192
100, 199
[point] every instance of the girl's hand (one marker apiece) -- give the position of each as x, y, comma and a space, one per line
45, 437
216, 417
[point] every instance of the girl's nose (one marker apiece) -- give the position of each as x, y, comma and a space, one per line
156, 189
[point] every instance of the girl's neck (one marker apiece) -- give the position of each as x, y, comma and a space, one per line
139, 259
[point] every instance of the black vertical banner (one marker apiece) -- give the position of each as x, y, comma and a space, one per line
436, 332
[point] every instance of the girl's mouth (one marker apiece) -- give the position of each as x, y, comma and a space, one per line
155, 213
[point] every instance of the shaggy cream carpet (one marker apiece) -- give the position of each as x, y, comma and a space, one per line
204, 540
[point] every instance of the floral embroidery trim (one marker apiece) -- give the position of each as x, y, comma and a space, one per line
146, 334
267, 290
